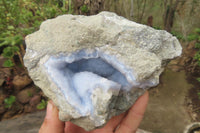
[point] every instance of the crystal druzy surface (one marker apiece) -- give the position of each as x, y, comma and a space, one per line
95, 67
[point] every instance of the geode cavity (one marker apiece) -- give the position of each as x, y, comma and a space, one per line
95, 67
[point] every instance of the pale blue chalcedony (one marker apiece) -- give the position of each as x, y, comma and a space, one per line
78, 74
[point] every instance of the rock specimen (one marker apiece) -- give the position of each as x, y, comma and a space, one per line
95, 67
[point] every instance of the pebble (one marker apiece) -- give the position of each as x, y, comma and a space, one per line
35, 100
24, 96
20, 82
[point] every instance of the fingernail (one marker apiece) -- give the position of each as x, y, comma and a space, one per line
49, 110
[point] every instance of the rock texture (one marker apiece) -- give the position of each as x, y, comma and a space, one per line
95, 67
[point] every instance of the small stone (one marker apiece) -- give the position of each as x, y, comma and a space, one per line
24, 96
35, 100
174, 62
8, 114
175, 68
20, 82
7, 72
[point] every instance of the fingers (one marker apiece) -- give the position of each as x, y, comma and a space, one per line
114, 122
72, 128
131, 122
51, 123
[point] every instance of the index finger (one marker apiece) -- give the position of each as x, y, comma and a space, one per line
131, 122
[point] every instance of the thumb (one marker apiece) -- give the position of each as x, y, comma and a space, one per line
51, 123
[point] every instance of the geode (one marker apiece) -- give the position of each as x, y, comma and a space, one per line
95, 67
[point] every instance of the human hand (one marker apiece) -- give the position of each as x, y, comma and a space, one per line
127, 122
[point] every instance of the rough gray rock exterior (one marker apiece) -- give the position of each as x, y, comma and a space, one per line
137, 51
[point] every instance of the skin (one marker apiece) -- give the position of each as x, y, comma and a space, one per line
127, 122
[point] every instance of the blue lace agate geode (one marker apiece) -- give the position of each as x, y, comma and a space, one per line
95, 67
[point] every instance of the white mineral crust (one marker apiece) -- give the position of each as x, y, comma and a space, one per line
95, 67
